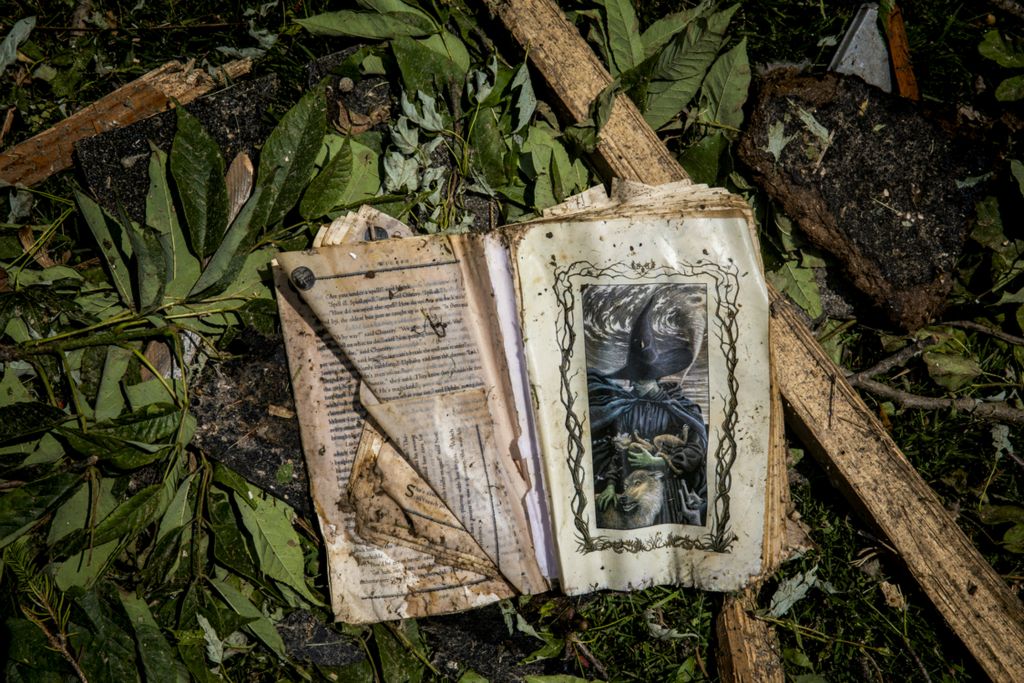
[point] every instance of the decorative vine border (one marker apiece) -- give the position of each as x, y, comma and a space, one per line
720, 537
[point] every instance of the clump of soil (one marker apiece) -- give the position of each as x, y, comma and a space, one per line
869, 180
479, 640
308, 639
246, 420
115, 164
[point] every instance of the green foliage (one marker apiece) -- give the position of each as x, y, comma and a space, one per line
1008, 55
198, 170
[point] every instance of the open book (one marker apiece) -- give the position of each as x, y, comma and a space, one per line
581, 401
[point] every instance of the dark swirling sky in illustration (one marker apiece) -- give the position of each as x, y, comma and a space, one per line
609, 312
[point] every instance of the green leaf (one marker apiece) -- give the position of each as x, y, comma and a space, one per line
701, 158
74, 513
115, 255
791, 591
952, 371
109, 399
368, 24
1010, 89
127, 520
288, 157
398, 663
198, 170
322, 194
182, 508
231, 480
182, 267
230, 547
797, 658
681, 67
431, 64
488, 147
192, 648
27, 646
150, 265
1013, 539
664, 29
813, 126
725, 88
278, 549
108, 653
1017, 170
158, 660
623, 35
26, 418
225, 264
261, 626
800, 285
777, 139
1001, 514
23, 506
988, 228
995, 48
18, 34
526, 99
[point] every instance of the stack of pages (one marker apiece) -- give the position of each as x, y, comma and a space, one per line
580, 401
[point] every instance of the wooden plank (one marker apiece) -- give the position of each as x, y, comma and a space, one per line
748, 650
39, 157
577, 77
875, 476
843, 433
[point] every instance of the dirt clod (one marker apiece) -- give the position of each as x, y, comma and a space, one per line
868, 179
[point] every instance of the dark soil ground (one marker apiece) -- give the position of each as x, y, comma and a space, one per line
874, 184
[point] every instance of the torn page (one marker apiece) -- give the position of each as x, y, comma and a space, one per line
375, 580
404, 314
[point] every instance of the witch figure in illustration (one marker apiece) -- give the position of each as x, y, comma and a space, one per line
649, 439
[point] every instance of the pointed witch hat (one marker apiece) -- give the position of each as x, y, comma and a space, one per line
653, 356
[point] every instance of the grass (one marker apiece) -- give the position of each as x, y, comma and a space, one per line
844, 629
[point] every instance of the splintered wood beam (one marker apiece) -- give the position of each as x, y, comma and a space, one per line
748, 649
39, 157
577, 77
822, 407
842, 432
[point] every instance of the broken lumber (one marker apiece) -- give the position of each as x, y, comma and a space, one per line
39, 157
975, 602
748, 649
842, 432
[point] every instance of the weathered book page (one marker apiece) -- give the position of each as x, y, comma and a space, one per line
372, 577
421, 338
645, 326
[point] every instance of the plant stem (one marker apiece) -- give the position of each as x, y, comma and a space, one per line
996, 411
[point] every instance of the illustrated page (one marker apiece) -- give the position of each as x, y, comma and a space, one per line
644, 316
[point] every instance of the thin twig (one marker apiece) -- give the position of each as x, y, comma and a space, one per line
920, 664
996, 411
991, 331
895, 360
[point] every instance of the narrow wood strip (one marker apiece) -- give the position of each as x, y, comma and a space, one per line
748, 649
627, 147
39, 157
844, 435
899, 52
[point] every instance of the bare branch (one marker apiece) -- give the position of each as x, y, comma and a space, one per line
996, 411
895, 360
991, 331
